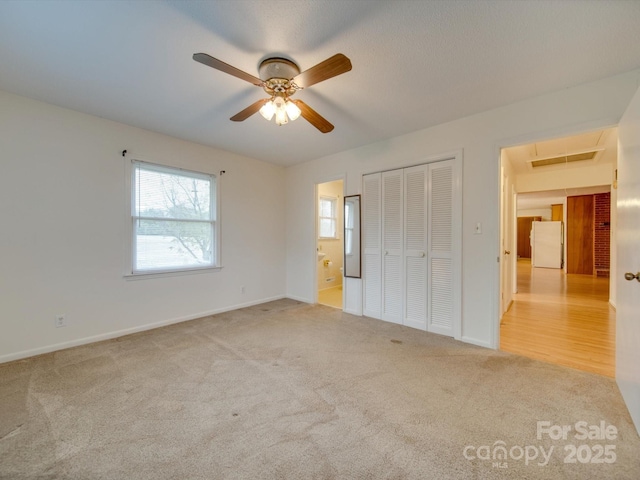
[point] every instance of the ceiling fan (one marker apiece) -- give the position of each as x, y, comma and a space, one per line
281, 78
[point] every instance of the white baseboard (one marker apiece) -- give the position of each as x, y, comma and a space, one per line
127, 331
299, 299
475, 341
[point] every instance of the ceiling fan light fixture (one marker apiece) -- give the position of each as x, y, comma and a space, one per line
292, 110
281, 117
268, 110
281, 110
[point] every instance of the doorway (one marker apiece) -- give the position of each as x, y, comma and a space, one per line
557, 315
329, 243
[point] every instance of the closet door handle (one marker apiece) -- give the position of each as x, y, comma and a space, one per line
630, 276
422, 254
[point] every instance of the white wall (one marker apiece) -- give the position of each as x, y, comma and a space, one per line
545, 213
63, 224
480, 136
600, 174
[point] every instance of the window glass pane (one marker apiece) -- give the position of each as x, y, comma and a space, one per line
173, 218
348, 216
166, 195
327, 227
327, 217
162, 244
326, 208
348, 242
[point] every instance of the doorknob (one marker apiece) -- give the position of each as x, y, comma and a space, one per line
507, 252
630, 276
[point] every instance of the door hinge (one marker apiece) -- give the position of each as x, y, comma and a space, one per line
498, 259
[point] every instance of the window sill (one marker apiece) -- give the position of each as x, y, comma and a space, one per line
170, 273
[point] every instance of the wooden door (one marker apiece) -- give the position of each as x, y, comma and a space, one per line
524, 235
557, 212
580, 223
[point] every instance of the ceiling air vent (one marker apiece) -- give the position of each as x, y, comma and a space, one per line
577, 157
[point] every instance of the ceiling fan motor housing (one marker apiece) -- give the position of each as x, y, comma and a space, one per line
277, 74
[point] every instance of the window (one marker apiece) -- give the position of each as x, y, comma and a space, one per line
173, 219
327, 221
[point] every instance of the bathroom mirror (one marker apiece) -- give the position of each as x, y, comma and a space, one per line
352, 236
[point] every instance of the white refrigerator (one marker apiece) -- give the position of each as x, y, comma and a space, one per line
547, 244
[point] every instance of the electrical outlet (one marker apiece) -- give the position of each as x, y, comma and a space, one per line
60, 321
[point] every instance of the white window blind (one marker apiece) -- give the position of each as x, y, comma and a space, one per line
174, 219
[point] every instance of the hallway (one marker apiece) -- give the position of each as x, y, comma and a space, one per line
561, 319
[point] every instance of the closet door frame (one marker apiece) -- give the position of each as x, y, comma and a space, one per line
456, 247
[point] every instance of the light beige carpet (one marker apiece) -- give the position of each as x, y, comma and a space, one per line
294, 391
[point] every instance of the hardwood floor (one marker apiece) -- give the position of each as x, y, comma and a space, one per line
561, 319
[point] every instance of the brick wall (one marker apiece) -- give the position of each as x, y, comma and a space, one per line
602, 230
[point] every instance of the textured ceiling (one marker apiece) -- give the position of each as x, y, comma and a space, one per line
415, 63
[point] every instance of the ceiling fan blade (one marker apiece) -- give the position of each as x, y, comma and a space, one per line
313, 117
331, 67
250, 110
226, 68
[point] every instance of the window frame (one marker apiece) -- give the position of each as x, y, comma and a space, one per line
214, 220
334, 217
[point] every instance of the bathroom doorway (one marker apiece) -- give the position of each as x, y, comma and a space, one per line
329, 242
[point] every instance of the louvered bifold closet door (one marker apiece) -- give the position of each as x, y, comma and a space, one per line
440, 312
371, 242
392, 233
415, 247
